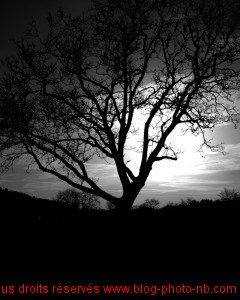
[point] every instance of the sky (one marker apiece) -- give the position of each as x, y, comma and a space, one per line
170, 181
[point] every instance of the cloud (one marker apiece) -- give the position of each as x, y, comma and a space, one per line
101, 170
199, 178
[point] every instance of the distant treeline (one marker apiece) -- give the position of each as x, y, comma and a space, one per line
20, 203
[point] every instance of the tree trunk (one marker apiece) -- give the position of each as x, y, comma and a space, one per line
125, 204
128, 197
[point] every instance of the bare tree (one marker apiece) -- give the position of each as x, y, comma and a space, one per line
228, 194
76, 199
150, 203
74, 93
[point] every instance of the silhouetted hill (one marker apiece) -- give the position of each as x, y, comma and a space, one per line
16, 206
45, 236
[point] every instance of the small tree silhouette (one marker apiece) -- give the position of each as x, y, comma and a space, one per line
186, 202
150, 203
76, 199
228, 194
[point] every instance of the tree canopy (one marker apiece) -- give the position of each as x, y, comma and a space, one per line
73, 94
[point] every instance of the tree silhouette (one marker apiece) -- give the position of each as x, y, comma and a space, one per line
78, 200
76, 92
228, 194
150, 203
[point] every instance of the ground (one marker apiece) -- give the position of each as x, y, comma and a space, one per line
195, 243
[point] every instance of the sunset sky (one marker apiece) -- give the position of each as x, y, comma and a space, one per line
170, 181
